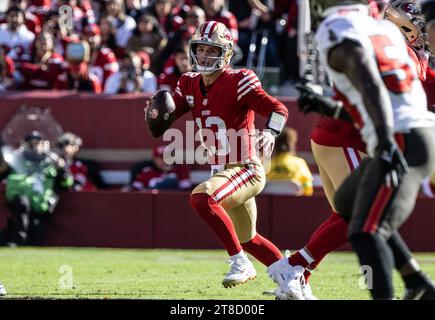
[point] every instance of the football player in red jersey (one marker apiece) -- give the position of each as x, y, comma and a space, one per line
224, 100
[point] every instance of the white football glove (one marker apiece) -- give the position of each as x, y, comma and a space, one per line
264, 143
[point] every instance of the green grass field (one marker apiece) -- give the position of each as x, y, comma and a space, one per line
44, 273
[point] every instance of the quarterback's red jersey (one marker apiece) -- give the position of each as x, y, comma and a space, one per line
229, 103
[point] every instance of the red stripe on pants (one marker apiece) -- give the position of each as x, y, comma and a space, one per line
377, 208
230, 181
243, 182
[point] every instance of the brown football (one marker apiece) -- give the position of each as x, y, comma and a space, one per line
160, 113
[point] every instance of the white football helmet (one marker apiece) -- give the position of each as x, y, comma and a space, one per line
211, 33
407, 15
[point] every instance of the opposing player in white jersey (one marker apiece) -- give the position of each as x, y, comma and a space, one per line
368, 63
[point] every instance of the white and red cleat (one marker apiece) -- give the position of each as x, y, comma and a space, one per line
241, 270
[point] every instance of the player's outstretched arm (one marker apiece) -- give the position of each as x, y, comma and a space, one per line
310, 101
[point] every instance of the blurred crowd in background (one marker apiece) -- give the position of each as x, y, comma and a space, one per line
124, 46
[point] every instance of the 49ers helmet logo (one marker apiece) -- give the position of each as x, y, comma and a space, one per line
411, 8
228, 35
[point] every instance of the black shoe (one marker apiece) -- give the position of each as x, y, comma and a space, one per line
423, 293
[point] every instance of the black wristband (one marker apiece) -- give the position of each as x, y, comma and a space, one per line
276, 122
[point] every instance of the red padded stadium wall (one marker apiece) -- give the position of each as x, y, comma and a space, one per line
105, 121
165, 220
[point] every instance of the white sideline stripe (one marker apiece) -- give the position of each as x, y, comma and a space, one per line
233, 184
247, 84
249, 89
353, 157
246, 78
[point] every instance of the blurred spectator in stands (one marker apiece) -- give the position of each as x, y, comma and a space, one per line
103, 62
156, 174
99, 6
180, 7
133, 76
134, 9
40, 8
286, 12
162, 11
86, 173
79, 76
61, 35
194, 17
255, 16
51, 23
108, 36
34, 178
7, 69
32, 22
286, 165
80, 79
124, 24
169, 77
48, 70
148, 36
83, 14
15, 38
214, 10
